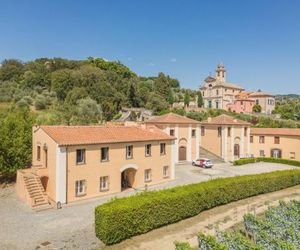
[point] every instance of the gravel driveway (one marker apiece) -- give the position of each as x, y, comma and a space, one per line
72, 226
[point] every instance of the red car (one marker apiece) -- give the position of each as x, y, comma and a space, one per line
203, 163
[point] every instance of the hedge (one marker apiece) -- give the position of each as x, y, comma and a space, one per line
123, 218
266, 159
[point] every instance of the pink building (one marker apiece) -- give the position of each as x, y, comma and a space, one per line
242, 103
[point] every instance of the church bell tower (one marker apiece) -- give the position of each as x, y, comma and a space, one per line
221, 73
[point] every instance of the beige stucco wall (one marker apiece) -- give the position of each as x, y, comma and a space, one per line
39, 137
93, 168
183, 133
211, 141
223, 145
287, 145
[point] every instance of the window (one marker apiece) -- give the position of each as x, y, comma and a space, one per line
80, 188
245, 131
104, 183
276, 140
148, 150
166, 171
209, 104
261, 153
251, 139
193, 132
80, 156
257, 101
38, 152
261, 139
104, 154
147, 175
172, 132
292, 155
219, 131
163, 148
217, 92
129, 152
202, 130
242, 103
217, 105
229, 132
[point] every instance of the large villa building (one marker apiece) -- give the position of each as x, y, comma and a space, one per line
73, 163
217, 93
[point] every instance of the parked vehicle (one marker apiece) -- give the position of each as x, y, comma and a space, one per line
203, 163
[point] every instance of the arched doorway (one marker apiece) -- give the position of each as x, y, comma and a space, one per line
128, 173
182, 153
44, 180
237, 150
276, 153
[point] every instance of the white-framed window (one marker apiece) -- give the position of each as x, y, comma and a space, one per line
80, 187
104, 153
261, 139
193, 132
148, 150
172, 132
38, 152
202, 130
104, 183
292, 155
163, 148
148, 175
262, 153
129, 152
166, 171
80, 156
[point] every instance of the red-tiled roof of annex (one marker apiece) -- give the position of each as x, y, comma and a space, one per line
225, 120
85, 135
275, 131
172, 118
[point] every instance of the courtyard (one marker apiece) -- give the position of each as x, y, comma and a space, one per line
72, 226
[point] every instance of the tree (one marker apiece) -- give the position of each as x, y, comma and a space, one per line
62, 82
156, 103
199, 100
256, 108
87, 112
40, 102
186, 99
15, 146
132, 96
161, 85
11, 70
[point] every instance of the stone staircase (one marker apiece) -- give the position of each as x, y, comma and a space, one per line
207, 154
35, 191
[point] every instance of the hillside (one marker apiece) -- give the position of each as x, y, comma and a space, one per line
82, 91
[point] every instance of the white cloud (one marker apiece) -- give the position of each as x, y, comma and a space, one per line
129, 58
151, 64
173, 60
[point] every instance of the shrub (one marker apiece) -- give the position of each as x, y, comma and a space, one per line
40, 102
182, 246
266, 159
22, 104
244, 161
123, 218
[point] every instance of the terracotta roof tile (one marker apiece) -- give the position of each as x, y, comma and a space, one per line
83, 135
172, 118
225, 120
275, 131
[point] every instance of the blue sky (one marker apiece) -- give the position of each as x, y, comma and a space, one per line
257, 40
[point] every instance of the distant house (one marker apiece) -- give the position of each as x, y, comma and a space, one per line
242, 103
265, 100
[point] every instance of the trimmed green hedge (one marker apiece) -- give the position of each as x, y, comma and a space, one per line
123, 218
266, 159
